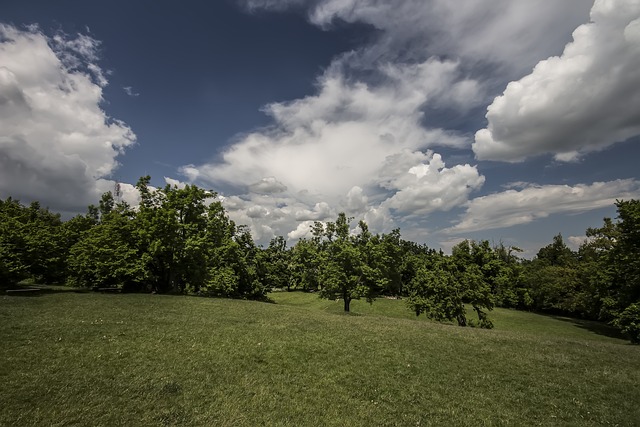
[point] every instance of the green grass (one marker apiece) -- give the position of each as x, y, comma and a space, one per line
95, 359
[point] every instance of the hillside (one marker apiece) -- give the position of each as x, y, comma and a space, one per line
138, 359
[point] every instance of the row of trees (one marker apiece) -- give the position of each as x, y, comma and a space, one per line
176, 241
180, 240
599, 281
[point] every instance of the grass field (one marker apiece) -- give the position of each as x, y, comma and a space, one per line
107, 360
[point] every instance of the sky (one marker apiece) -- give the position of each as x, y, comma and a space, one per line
505, 120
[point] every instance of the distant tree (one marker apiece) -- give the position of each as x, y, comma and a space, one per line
275, 264
304, 266
46, 247
552, 278
443, 285
13, 242
623, 300
557, 254
107, 254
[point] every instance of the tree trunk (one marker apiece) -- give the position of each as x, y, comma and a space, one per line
347, 302
462, 320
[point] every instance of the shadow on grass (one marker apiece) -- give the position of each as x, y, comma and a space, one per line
31, 290
592, 326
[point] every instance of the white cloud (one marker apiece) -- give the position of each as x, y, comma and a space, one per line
574, 242
352, 146
582, 101
360, 144
56, 143
129, 91
174, 182
356, 201
514, 207
430, 186
303, 230
267, 185
321, 211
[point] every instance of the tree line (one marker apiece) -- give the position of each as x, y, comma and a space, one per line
181, 241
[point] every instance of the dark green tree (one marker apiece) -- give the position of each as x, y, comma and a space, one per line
107, 254
344, 270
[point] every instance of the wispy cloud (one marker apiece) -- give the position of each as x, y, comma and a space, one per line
129, 91
514, 207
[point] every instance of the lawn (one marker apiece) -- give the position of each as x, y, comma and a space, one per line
106, 360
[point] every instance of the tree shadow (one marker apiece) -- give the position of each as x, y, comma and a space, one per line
594, 326
31, 290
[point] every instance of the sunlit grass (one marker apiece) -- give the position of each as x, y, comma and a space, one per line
94, 359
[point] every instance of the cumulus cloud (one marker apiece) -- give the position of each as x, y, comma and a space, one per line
339, 146
582, 101
56, 143
268, 185
175, 182
303, 230
514, 207
361, 143
576, 241
429, 186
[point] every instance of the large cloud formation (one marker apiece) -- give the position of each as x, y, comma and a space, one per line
581, 101
56, 144
360, 144
351, 143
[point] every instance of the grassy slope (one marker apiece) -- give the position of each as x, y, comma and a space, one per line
93, 359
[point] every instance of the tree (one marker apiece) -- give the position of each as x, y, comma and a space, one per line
477, 269
275, 263
556, 253
623, 300
171, 226
46, 247
304, 266
344, 270
107, 254
443, 285
552, 278
13, 242
436, 293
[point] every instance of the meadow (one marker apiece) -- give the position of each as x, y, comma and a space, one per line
84, 358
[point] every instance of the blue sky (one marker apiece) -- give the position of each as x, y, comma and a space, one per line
500, 120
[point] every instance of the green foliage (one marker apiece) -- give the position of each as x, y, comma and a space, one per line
32, 244
304, 266
629, 322
600, 281
436, 293
348, 266
441, 288
13, 247
107, 254
275, 262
